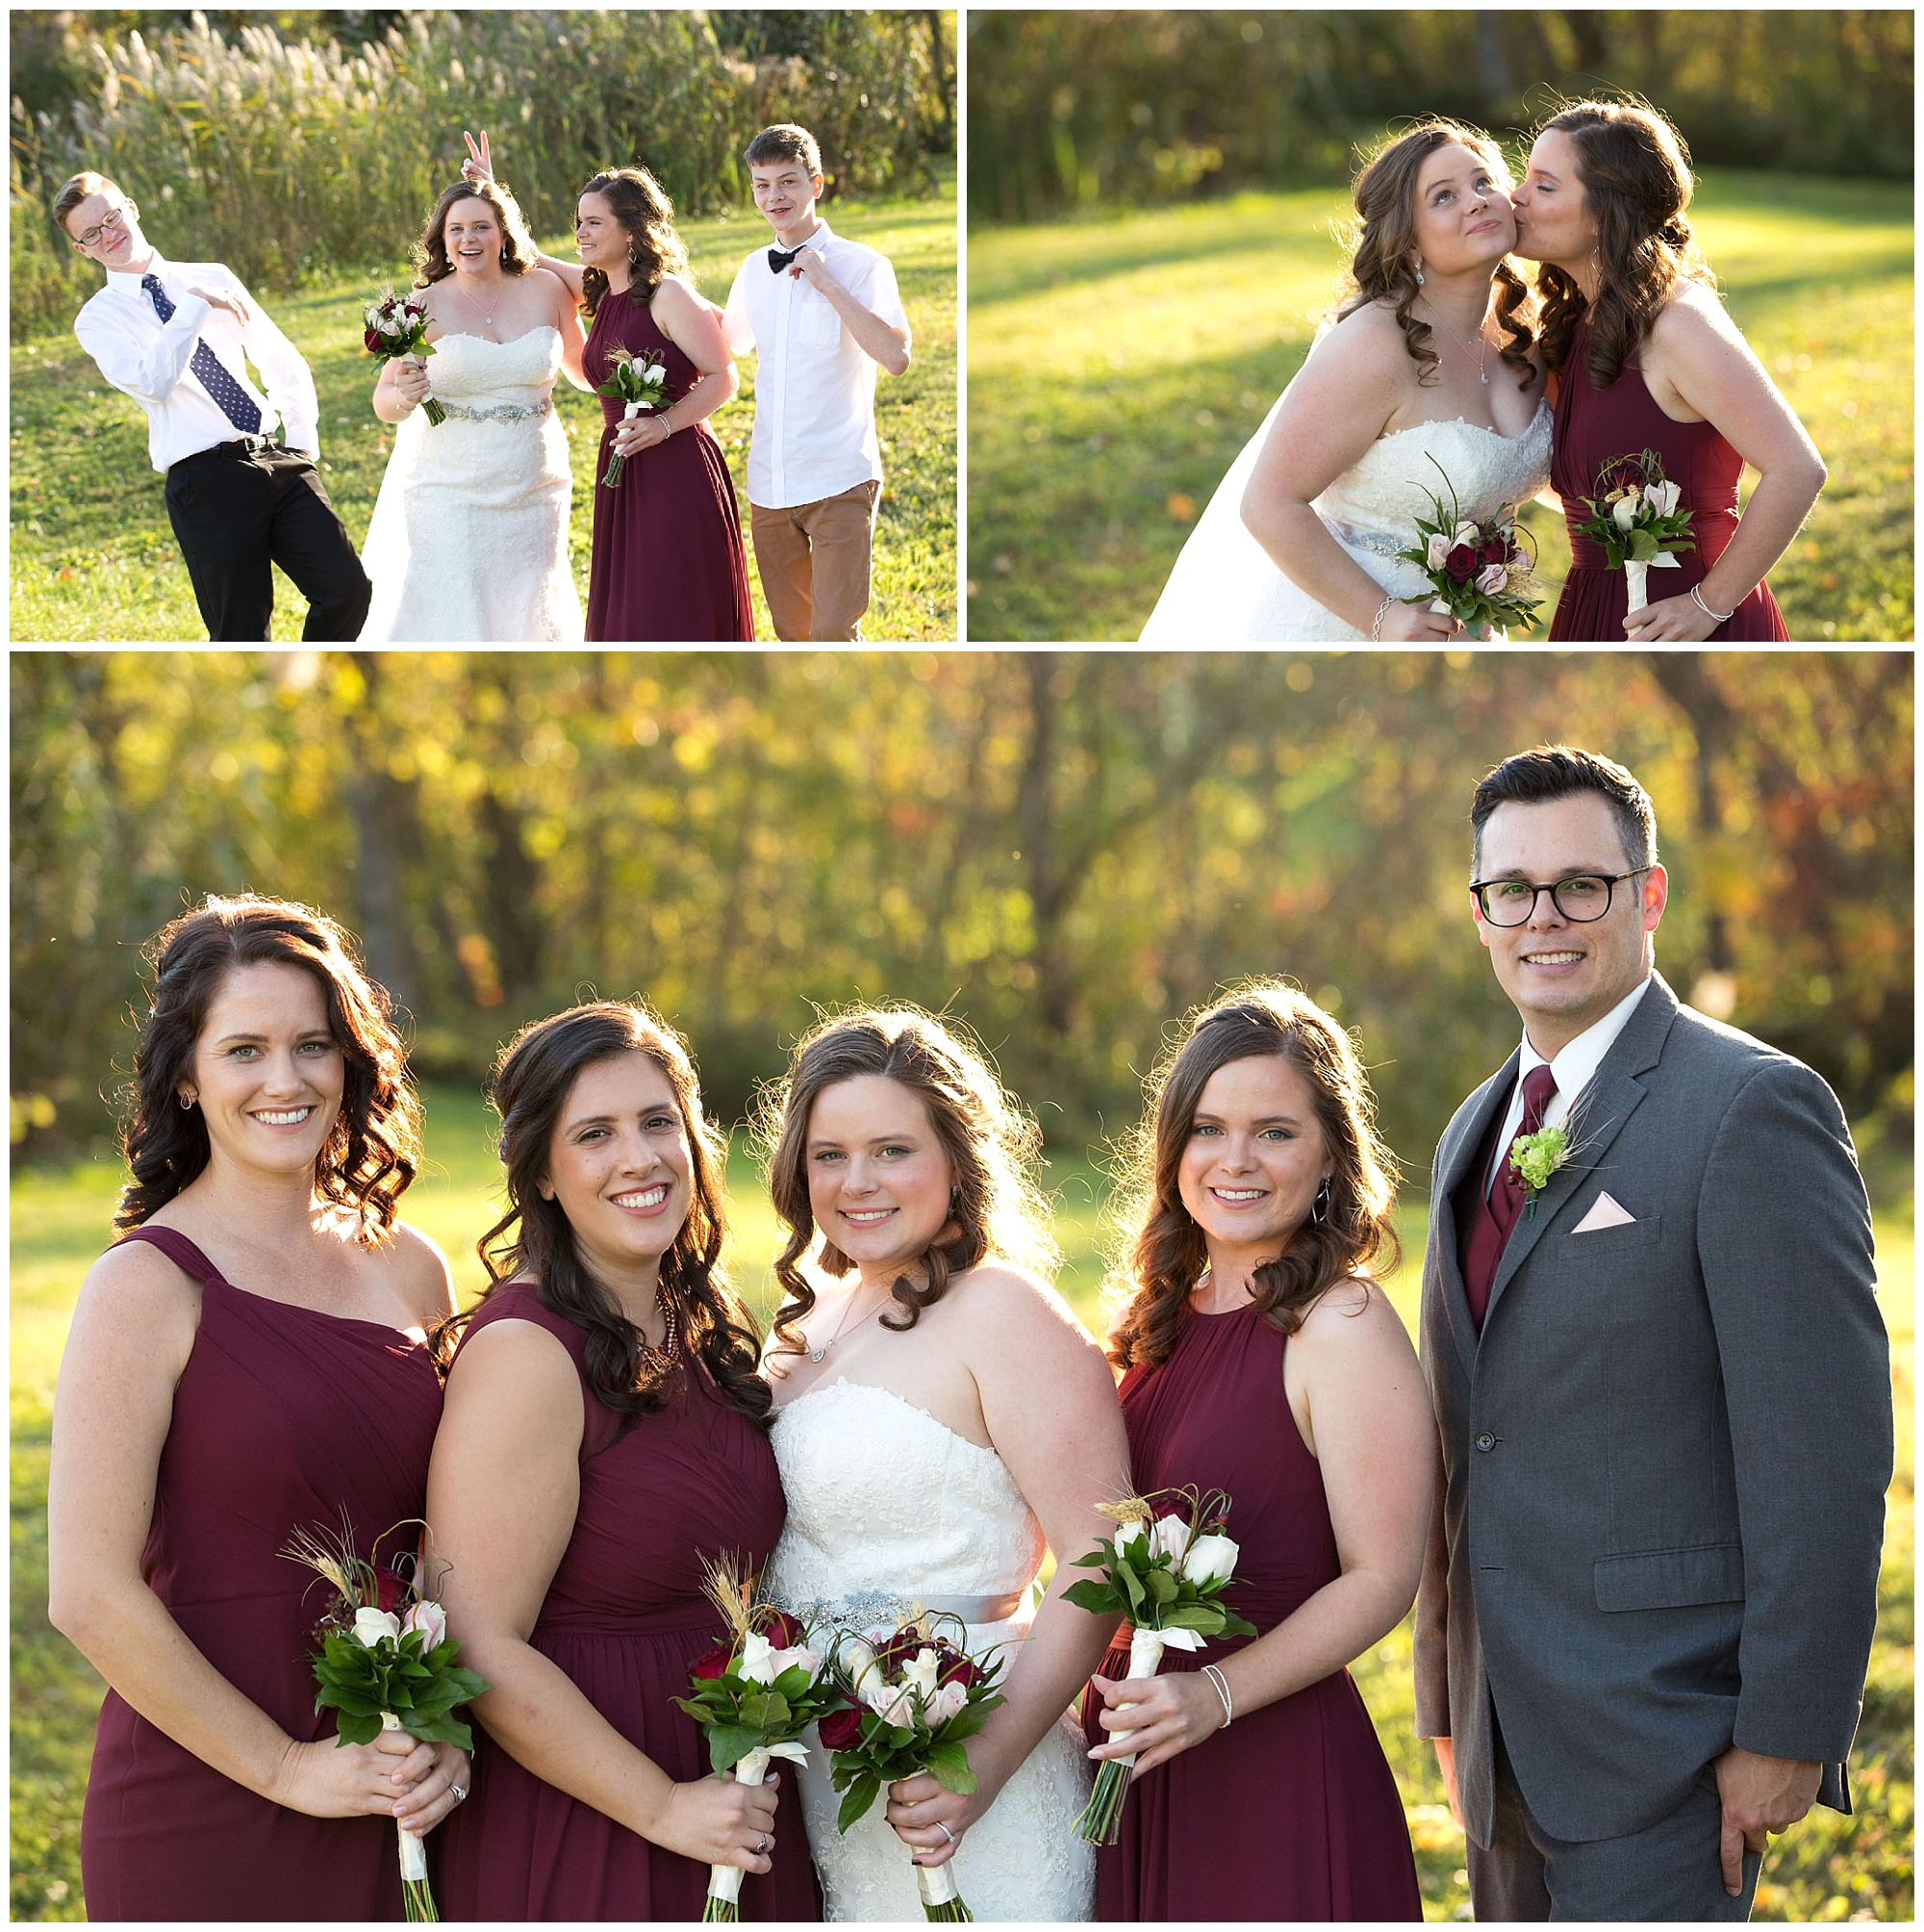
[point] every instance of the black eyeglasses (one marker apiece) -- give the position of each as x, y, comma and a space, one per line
1580, 898
115, 219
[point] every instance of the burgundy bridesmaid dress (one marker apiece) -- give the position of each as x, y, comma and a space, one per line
1292, 1811
626, 1618
668, 566
283, 1417
1593, 427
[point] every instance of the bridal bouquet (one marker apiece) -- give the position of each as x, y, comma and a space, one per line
1480, 574
397, 325
752, 1696
386, 1662
1167, 1574
1634, 518
636, 382
915, 1697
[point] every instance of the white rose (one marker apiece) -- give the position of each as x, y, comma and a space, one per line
857, 1659
1210, 1559
949, 1699
370, 1625
1671, 496
1170, 1537
895, 1707
1439, 549
919, 1673
430, 1619
1625, 513
1466, 533
758, 1655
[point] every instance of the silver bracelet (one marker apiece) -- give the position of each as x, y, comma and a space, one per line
1215, 1676
1376, 637
1721, 616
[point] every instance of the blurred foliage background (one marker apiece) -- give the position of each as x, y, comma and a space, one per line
1068, 110
1066, 850
292, 143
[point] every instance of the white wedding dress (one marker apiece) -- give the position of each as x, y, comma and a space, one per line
468, 543
887, 1508
1224, 588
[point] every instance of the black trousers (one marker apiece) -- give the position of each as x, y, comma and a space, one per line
239, 508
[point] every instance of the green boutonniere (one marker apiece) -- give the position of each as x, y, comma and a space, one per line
1535, 1157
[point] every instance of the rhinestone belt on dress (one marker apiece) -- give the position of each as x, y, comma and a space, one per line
501, 411
1368, 540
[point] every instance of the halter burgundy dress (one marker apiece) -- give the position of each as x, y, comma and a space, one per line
1291, 1812
626, 1618
284, 1417
668, 566
1594, 426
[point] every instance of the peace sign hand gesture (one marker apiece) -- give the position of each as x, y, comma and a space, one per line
478, 166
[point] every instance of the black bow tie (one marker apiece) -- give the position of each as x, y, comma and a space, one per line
782, 258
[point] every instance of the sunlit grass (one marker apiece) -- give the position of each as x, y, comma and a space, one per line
94, 558
1116, 364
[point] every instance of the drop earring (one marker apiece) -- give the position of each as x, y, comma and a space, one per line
1319, 1211
1419, 274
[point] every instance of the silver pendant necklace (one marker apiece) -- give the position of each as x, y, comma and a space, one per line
817, 1354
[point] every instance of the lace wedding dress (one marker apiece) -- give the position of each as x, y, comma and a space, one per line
468, 543
888, 1508
1224, 588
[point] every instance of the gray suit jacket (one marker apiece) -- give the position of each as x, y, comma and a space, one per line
1665, 1457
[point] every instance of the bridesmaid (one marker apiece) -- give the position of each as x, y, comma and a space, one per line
1649, 360
248, 1361
1260, 1360
605, 1439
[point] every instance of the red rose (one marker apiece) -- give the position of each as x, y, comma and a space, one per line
898, 1649
373, 338
782, 1630
1461, 563
715, 1662
389, 1588
1496, 550
841, 1729
953, 1667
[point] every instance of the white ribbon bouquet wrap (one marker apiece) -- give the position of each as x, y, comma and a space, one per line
1637, 521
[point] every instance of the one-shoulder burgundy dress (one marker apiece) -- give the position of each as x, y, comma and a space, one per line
283, 1418
1594, 426
1291, 1812
626, 1618
667, 565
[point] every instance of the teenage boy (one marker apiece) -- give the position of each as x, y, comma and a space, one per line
176, 336
820, 313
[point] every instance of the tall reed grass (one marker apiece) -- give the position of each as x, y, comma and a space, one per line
288, 159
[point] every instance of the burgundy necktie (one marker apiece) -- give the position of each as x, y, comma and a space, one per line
1498, 1212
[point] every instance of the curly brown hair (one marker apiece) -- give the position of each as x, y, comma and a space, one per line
995, 1210
1634, 170
656, 251
1384, 194
430, 251
533, 1077
373, 1150
1161, 1252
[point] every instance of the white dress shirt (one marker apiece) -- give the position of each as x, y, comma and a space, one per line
1572, 1069
137, 353
815, 384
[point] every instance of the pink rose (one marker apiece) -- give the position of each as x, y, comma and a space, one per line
1491, 578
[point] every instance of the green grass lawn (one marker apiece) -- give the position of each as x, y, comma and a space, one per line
1116, 364
94, 559
1828, 1868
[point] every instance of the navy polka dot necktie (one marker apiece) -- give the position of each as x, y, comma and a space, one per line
234, 403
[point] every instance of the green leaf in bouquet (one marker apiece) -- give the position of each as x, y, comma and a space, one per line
1163, 1589
1132, 1587
1641, 545
1098, 1598
766, 1711
1236, 1626
860, 1795
949, 1765
729, 1743
794, 1683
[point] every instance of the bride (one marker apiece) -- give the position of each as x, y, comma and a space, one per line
1426, 368
940, 1417
469, 541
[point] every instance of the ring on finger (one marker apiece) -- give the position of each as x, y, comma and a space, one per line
945, 1831
762, 1843
460, 1792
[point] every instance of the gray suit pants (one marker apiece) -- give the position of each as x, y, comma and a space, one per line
1668, 1870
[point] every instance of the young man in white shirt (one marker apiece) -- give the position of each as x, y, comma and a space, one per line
820, 313
176, 336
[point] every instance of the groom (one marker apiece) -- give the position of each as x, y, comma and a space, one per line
1663, 1392
176, 336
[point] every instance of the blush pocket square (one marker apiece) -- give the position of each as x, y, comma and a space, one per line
1605, 1212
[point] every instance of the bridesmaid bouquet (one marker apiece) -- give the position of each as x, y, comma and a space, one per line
386, 1662
397, 325
914, 1698
1480, 574
1634, 518
752, 1696
636, 381
1166, 1575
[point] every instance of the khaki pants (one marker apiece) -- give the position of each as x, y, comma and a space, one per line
813, 559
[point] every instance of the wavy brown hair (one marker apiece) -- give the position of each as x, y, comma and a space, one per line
1385, 233
431, 262
373, 1150
1162, 1250
995, 1210
1634, 171
533, 1077
656, 251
